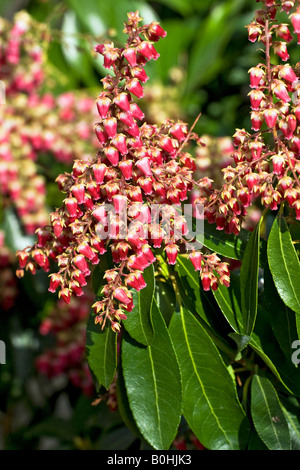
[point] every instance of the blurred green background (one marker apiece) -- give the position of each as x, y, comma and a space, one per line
203, 60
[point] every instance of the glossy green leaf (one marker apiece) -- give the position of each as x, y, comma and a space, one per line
139, 322
249, 281
101, 346
291, 409
210, 403
268, 417
201, 303
265, 344
165, 299
281, 318
153, 384
123, 404
284, 264
229, 301
228, 245
189, 286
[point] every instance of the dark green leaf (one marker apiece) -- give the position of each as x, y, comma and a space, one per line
241, 341
228, 245
229, 301
210, 403
123, 404
284, 264
139, 322
153, 384
249, 281
165, 299
189, 286
101, 348
291, 410
268, 417
282, 318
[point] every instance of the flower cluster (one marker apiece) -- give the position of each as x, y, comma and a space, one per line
21, 55
34, 124
66, 325
267, 164
138, 166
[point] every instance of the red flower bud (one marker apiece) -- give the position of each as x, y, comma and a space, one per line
144, 166
179, 131
65, 295
172, 252
126, 168
122, 101
195, 258
23, 258
280, 91
135, 88
81, 263
281, 50
122, 294
71, 206
120, 203
78, 191
120, 143
270, 116
84, 249
256, 74
130, 56
155, 31
136, 281
136, 112
206, 281
101, 134
288, 74
112, 155
103, 103
110, 125
140, 74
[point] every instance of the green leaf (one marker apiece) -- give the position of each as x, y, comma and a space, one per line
165, 299
228, 245
291, 410
229, 301
249, 281
101, 346
284, 264
268, 417
264, 343
210, 402
281, 318
123, 404
189, 286
153, 384
139, 322
241, 341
